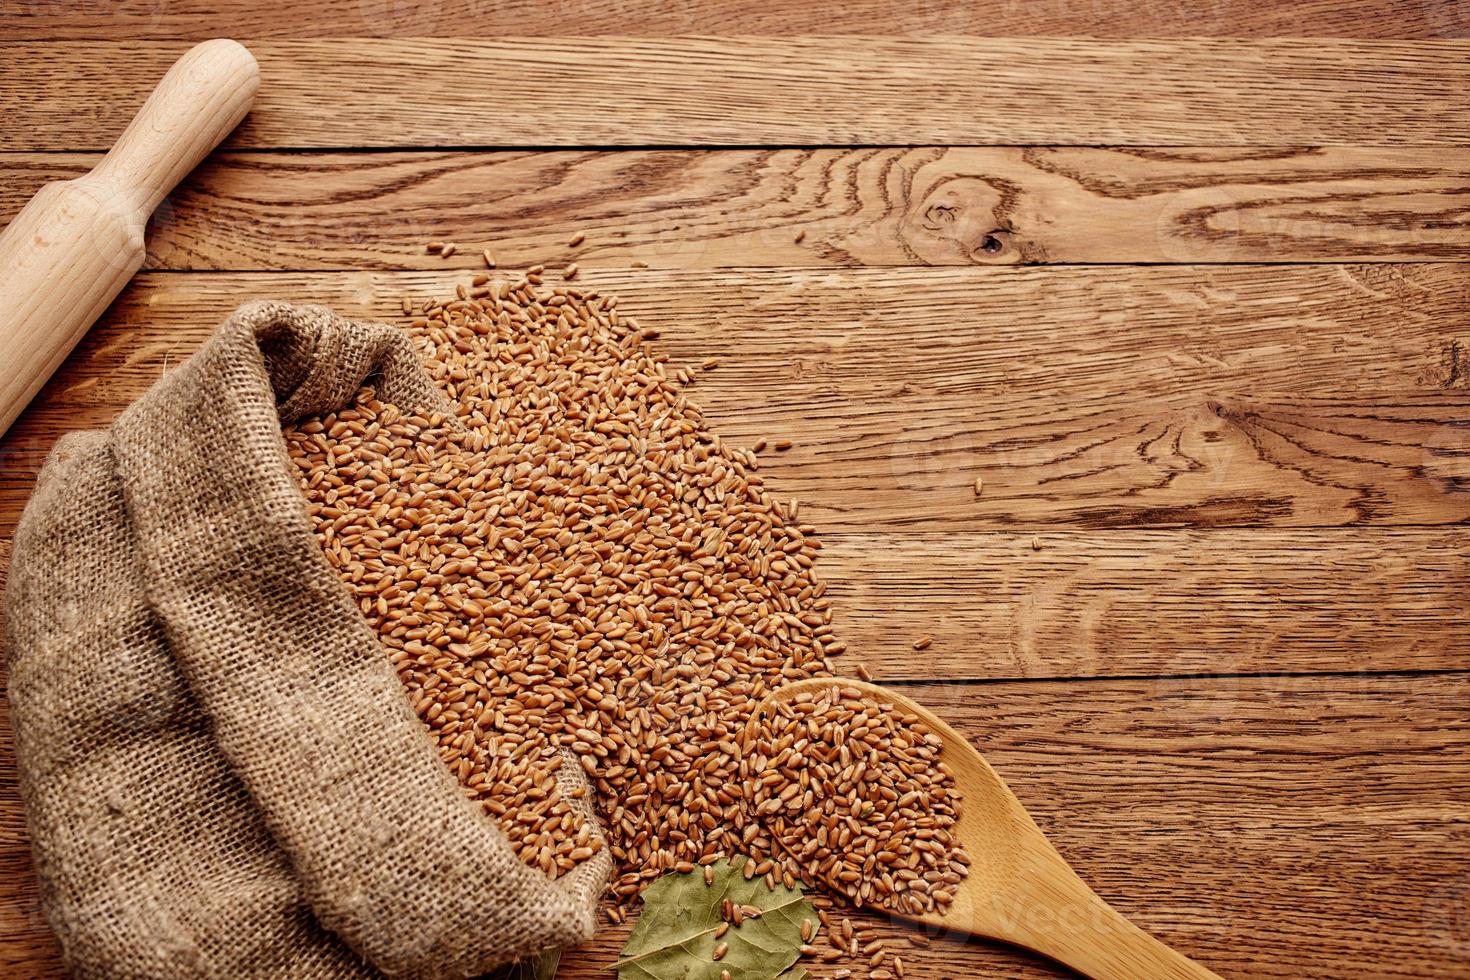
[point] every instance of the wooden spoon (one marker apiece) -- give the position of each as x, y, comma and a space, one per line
1020, 890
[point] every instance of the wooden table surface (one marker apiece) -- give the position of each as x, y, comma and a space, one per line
1189, 295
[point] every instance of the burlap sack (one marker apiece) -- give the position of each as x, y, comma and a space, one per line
222, 775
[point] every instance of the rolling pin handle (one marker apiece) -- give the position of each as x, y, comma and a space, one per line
196, 105
69, 252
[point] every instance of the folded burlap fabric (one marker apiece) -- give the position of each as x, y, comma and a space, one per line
222, 775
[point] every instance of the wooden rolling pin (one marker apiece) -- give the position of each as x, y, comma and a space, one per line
78, 242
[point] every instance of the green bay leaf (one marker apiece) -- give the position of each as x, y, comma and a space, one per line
675, 935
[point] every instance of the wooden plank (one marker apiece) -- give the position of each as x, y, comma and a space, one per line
1128, 603
1090, 604
201, 19
714, 208
1293, 396
1272, 827
772, 91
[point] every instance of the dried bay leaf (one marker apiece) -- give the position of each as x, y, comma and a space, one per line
675, 935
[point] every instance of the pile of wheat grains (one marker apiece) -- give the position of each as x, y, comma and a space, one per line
854, 791
574, 566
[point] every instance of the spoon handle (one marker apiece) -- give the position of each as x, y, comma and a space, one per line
1109, 947
1059, 916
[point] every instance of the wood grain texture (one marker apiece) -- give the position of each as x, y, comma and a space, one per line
1300, 396
880, 207
773, 91
1271, 827
200, 19
1136, 602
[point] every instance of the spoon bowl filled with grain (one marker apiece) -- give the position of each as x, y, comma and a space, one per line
875, 798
